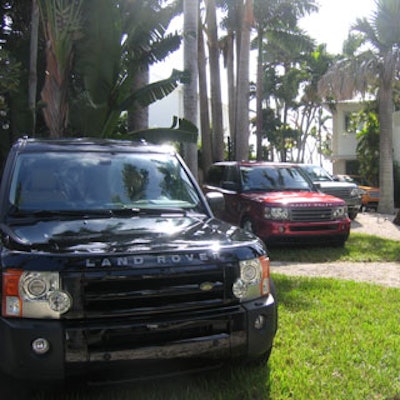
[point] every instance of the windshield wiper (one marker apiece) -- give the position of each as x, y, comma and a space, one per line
15, 212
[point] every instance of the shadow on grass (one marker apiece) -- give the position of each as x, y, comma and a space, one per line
294, 293
358, 248
232, 382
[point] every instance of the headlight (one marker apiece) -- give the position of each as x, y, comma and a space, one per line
277, 213
254, 279
339, 212
34, 294
357, 192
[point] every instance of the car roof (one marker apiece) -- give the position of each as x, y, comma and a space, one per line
88, 144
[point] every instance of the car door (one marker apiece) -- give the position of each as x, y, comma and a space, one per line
224, 178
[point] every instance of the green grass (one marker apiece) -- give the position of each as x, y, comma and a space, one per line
337, 340
359, 247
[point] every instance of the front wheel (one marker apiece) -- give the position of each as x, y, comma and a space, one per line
353, 215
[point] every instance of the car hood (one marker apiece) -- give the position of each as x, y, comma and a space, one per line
369, 188
294, 198
335, 184
114, 235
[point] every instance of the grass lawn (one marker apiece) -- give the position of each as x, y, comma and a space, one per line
336, 340
359, 248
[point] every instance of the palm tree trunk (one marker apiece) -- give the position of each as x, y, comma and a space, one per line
231, 84
386, 199
259, 93
190, 10
138, 117
206, 142
215, 80
242, 94
32, 85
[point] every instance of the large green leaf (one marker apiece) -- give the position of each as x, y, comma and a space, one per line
182, 131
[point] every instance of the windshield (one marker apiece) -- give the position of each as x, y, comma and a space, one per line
317, 173
269, 178
97, 181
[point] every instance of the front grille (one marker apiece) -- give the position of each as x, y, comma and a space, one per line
152, 291
311, 214
343, 193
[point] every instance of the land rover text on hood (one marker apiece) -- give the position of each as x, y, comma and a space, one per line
113, 267
278, 202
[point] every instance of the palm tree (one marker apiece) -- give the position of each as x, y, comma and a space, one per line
190, 102
241, 133
116, 47
216, 101
276, 21
61, 21
375, 68
32, 85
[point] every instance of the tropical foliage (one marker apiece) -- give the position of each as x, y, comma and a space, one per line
373, 67
97, 54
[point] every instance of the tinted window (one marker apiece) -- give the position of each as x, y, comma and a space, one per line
317, 173
215, 175
62, 181
261, 178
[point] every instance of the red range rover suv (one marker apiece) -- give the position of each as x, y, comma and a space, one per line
279, 203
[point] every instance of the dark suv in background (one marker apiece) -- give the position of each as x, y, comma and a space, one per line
277, 202
348, 191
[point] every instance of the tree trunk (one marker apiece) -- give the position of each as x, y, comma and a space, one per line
32, 86
215, 80
242, 99
386, 199
54, 95
190, 11
206, 142
138, 117
259, 94
231, 85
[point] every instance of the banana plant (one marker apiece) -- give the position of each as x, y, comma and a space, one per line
119, 40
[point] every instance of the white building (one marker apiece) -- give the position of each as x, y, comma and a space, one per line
344, 143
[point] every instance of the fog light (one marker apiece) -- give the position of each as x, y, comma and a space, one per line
40, 346
259, 322
60, 301
239, 288
281, 229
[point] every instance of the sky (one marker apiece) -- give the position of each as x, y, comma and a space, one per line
332, 23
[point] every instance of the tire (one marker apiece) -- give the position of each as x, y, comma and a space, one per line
353, 215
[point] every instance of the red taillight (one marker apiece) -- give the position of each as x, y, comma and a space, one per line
11, 302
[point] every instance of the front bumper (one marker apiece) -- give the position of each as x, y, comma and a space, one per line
305, 233
119, 349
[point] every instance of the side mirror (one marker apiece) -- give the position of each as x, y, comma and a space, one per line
216, 201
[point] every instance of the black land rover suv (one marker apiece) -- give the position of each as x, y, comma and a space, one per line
113, 267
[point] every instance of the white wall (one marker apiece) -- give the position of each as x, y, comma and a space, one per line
344, 144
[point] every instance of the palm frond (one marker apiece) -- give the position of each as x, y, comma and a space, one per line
154, 91
182, 131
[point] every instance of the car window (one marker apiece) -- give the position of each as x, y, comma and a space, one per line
215, 175
261, 178
90, 181
317, 173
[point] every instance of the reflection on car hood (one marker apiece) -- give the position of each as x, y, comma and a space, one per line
295, 198
115, 235
334, 184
